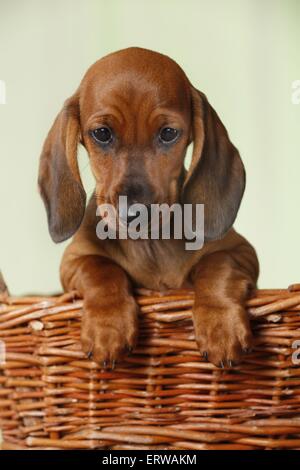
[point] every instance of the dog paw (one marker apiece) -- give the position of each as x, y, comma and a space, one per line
223, 334
109, 329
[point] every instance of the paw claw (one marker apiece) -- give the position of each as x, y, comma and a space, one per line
247, 350
205, 355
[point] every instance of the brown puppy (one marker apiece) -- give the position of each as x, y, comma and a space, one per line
120, 113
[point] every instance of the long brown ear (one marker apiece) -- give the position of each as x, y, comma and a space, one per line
59, 179
216, 177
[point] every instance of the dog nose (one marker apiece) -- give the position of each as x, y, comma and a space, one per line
136, 193
133, 193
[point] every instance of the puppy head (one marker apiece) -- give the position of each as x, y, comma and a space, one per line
136, 112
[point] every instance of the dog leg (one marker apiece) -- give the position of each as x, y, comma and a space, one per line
109, 323
223, 281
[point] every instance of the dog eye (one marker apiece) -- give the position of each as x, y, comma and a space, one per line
103, 135
168, 135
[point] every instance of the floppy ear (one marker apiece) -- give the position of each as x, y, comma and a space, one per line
59, 179
216, 177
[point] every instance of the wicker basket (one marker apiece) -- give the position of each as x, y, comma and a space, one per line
164, 396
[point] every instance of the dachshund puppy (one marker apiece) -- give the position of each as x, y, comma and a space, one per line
136, 112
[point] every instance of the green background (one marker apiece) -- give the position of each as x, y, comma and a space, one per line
244, 54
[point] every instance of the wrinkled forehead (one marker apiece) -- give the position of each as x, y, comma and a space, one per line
134, 81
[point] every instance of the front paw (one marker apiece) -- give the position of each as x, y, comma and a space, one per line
223, 334
109, 328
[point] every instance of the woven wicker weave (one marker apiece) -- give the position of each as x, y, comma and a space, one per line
165, 396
